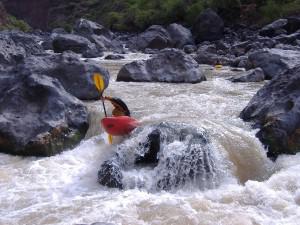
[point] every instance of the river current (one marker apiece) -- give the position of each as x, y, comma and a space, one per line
63, 189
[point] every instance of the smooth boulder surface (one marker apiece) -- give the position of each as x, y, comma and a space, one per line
274, 61
254, 75
169, 65
77, 44
155, 37
275, 110
38, 117
172, 154
180, 35
208, 27
75, 75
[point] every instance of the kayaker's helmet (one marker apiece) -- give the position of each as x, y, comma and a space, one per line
120, 109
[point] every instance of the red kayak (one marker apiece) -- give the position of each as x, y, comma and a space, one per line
119, 125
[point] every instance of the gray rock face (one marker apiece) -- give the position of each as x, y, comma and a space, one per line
38, 117
273, 29
86, 28
10, 53
254, 75
74, 74
75, 43
155, 37
29, 42
169, 65
275, 110
175, 155
208, 27
274, 61
180, 35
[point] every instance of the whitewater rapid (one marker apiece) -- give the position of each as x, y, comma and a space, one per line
63, 189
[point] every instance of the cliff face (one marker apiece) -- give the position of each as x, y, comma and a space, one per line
34, 12
3, 15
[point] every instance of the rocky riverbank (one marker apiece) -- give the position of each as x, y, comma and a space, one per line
27, 65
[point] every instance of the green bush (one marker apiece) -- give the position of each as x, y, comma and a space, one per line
14, 23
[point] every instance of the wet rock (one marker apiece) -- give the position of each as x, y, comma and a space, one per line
59, 30
273, 29
87, 28
74, 74
274, 61
75, 43
241, 48
180, 35
275, 110
208, 27
38, 117
169, 65
114, 57
254, 75
110, 174
175, 155
155, 37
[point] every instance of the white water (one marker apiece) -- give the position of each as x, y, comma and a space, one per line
63, 189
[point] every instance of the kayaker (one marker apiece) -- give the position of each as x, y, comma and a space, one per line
120, 108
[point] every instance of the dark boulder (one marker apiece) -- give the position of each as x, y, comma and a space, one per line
254, 75
75, 43
155, 37
275, 110
274, 61
293, 24
180, 35
110, 174
208, 27
114, 57
74, 74
169, 65
38, 117
172, 154
273, 29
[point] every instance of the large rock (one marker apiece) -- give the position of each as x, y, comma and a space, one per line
274, 61
155, 37
10, 53
254, 75
180, 35
274, 29
165, 156
38, 117
275, 110
77, 44
170, 65
87, 28
74, 74
208, 27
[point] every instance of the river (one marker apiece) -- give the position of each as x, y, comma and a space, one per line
63, 189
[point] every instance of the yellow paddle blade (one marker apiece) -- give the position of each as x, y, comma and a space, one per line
99, 82
110, 139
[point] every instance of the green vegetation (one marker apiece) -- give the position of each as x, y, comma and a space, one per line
13, 23
139, 14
